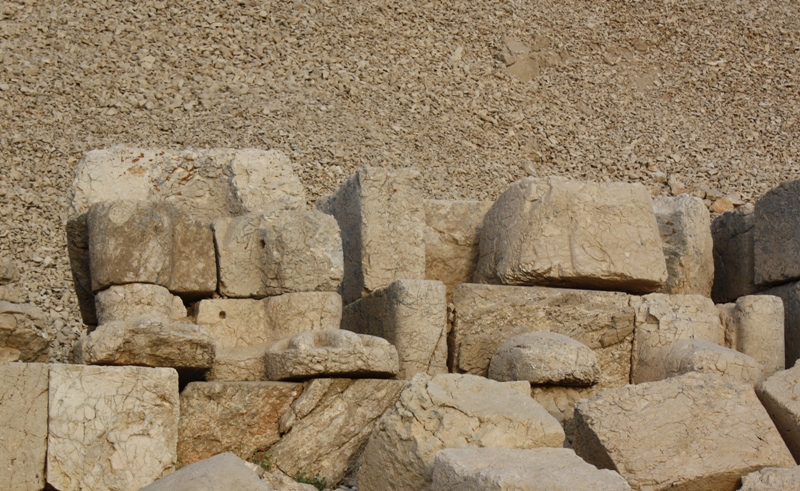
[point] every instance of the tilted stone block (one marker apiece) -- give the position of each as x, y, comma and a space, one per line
410, 314
696, 431
754, 326
780, 394
772, 479
223, 471
776, 234
790, 296
697, 355
22, 335
733, 234
573, 234
560, 403
382, 219
134, 300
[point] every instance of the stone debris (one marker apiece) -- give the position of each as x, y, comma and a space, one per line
22, 333
790, 296
135, 300
775, 235
697, 355
733, 234
451, 411
772, 479
780, 395
332, 353
221, 472
412, 316
754, 326
545, 358
710, 432
502, 469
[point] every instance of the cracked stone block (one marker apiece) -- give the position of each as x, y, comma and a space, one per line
772, 479
381, 215
572, 234
780, 394
243, 364
23, 425
22, 335
754, 326
696, 431
734, 273
411, 315
223, 471
451, 411
560, 403
697, 355
111, 427
790, 296
134, 300
775, 236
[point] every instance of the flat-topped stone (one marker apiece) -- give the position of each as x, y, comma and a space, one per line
754, 325
780, 394
134, 300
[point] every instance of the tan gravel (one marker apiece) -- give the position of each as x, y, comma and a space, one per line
700, 96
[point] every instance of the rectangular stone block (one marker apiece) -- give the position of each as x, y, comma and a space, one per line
754, 326
243, 364
734, 273
780, 395
790, 295
194, 259
381, 215
410, 314
134, 300
776, 235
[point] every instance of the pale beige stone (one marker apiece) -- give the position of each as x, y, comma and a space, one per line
754, 326
572, 234
560, 403
134, 300
220, 472
194, 258
382, 219
780, 394
237, 417
280, 482
411, 315
8, 271
697, 355
693, 432
451, 411
111, 428
23, 425
263, 181
772, 479
22, 334
293, 313
243, 364
733, 234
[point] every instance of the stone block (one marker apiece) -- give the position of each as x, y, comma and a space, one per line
560, 403
134, 300
22, 335
223, 471
194, 258
780, 395
382, 219
410, 314
775, 235
772, 479
790, 296
733, 234
754, 326
697, 355
111, 427
572, 234
243, 364
696, 431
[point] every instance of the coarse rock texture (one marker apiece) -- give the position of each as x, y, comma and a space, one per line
9, 276
111, 428
333, 353
134, 300
709, 433
780, 394
237, 417
754, 326
451, 411
22, 333
733, 233
488, 315
382, 219
276, 481
573, 234
410, 314
684, 224
326, 429
218, 473
698, 355
545, 358
23, 425
560, 403
775, 235
452, 240
502, 469
244, 364
790, 296
772, 479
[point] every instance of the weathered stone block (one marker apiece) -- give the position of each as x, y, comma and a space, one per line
733, 234
134, 300
223, 471
772, 479
560, 403
780, 394
754, 326
775, 236
790, 296
22, 335
697, 355
194, 259
243, 364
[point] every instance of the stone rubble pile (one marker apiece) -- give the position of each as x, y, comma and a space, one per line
239, 339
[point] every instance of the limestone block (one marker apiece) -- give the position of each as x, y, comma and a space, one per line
326, 429
148, 342
194, 259
220, 472
293, 313
502, 469
410, 314
111, 427
545, 358
697, 355
685, 227
134, 300
733, 234
772, 479
560, 403
775, 235
790, 296
277, 481
780, 394
23, 425
263, 181
661, 320
331, 353
22, 335
452, 240
243, 364
488, 315
754, 326
572, 234
237, 417
696, 431
382, 219
451, 411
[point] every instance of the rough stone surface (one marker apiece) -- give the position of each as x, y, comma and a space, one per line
244, 364
22, 335
218, 473
411, 315
451, 411
560, 403
775, 236
194, 258
754, 326
572, 234
488, 315
772, 479
502, 469
697, 355
733, 234
685, 227
279, 482
452, 240
790, 296
237, 417
382, 219
545, 358
111, 428
331, 353
780, 394
326, 429
693, 432
134, 300
23, 425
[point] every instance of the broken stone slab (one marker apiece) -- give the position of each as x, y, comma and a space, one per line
710, 432
23, 425
733, 234
451, 411
488, 315
560, 403
331, 353
775, 235
111, 427
780, 395
790, 296
242, 364
221, 472
237, 417
684, 224
326, 429
134, 300
572, 234
772, 479
412, 316
503, 469
22, 335
545, 358
697, 355
754, 326
382, 219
